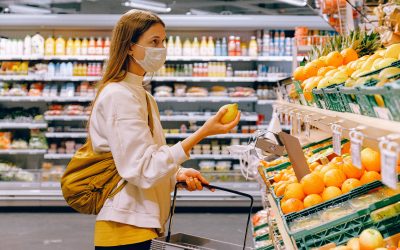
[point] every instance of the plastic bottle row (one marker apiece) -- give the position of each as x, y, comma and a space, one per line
38, 46
52, 69
270, 44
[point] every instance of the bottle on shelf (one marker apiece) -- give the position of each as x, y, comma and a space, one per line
237, 46
75, 69
27, 45
259, 42
218, 48
266, 43
37, 45
99, 46
170, 46
63, 69
195, 47
178, 46
203, 46
282, 43
107, 43
187, 48
83, 69
224, 47
50, 46
210, 46
276, 43
60, 46
253, 48
84, 46
232, 46
14, 47
77, 47
92, 46
69, 50
229, 71
70, 69
51, 69
20, 47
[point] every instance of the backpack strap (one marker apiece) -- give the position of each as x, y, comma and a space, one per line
149, 111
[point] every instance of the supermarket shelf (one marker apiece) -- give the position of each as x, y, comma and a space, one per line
223, 136
250, 118
58, 156
169, 58
47, 78
215, 79
49, 194
213, 157
206, 99
23, 152
20, 125
45, 99
265, 102
54, 58
66, 117
373, 128
66, 135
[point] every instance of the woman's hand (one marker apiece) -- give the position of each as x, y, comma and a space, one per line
192, 177
213, 126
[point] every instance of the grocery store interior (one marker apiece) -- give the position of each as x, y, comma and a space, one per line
313, 163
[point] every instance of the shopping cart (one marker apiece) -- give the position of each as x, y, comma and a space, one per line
180, 241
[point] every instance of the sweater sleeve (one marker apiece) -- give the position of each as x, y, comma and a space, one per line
138, 159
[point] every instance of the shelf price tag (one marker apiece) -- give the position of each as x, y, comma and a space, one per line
298, 123
307, 125
356, 139
293, 121
336, 139
389, 155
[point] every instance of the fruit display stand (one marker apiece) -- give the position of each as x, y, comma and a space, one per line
343, 224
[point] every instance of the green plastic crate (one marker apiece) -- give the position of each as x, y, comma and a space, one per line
319, 98
345, 228
334, 99
392, 100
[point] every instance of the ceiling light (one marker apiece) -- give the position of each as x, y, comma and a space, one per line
300, 3
148, 5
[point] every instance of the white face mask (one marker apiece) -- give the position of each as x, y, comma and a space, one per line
154, 58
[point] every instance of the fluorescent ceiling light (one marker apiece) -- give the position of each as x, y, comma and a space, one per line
300, 3
24, 9
148, 5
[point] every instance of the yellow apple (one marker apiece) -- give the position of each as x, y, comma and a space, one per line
393, 51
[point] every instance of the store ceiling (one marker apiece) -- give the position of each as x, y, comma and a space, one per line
194, 7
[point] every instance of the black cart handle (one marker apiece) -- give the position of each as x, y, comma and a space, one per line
211, 187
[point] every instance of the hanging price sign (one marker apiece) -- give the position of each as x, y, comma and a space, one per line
389, 154
307, 126
356, 139
336, 138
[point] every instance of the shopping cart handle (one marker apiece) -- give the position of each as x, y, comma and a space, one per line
211, 187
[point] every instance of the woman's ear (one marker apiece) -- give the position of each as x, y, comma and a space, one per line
131, 49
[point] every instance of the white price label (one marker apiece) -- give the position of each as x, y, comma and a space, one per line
355, 108
383, 113
307, 126
356, 139
322, 104
298, 125
336, 139
389, 155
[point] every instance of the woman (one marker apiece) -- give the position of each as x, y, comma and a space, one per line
125, 120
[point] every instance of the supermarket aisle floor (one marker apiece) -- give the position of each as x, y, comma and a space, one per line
66, 231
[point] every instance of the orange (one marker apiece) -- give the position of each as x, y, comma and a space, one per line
350, 170
311, 200
278, 177
330, 193
350, 184
312, 184
326, 168
370, 176
319, 63
371, 160
310, 70
349, 55
319, 174
318, 168
334, 59
291, 205
294, 190
322, 71
292, 179
281, 190
346, 148
334, 177
298, 74
313, 165
337, 159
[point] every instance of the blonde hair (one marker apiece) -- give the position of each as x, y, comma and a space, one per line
129, 28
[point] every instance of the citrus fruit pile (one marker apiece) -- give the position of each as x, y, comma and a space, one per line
325, 182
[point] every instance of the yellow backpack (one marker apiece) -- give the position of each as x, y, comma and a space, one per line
91, 178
